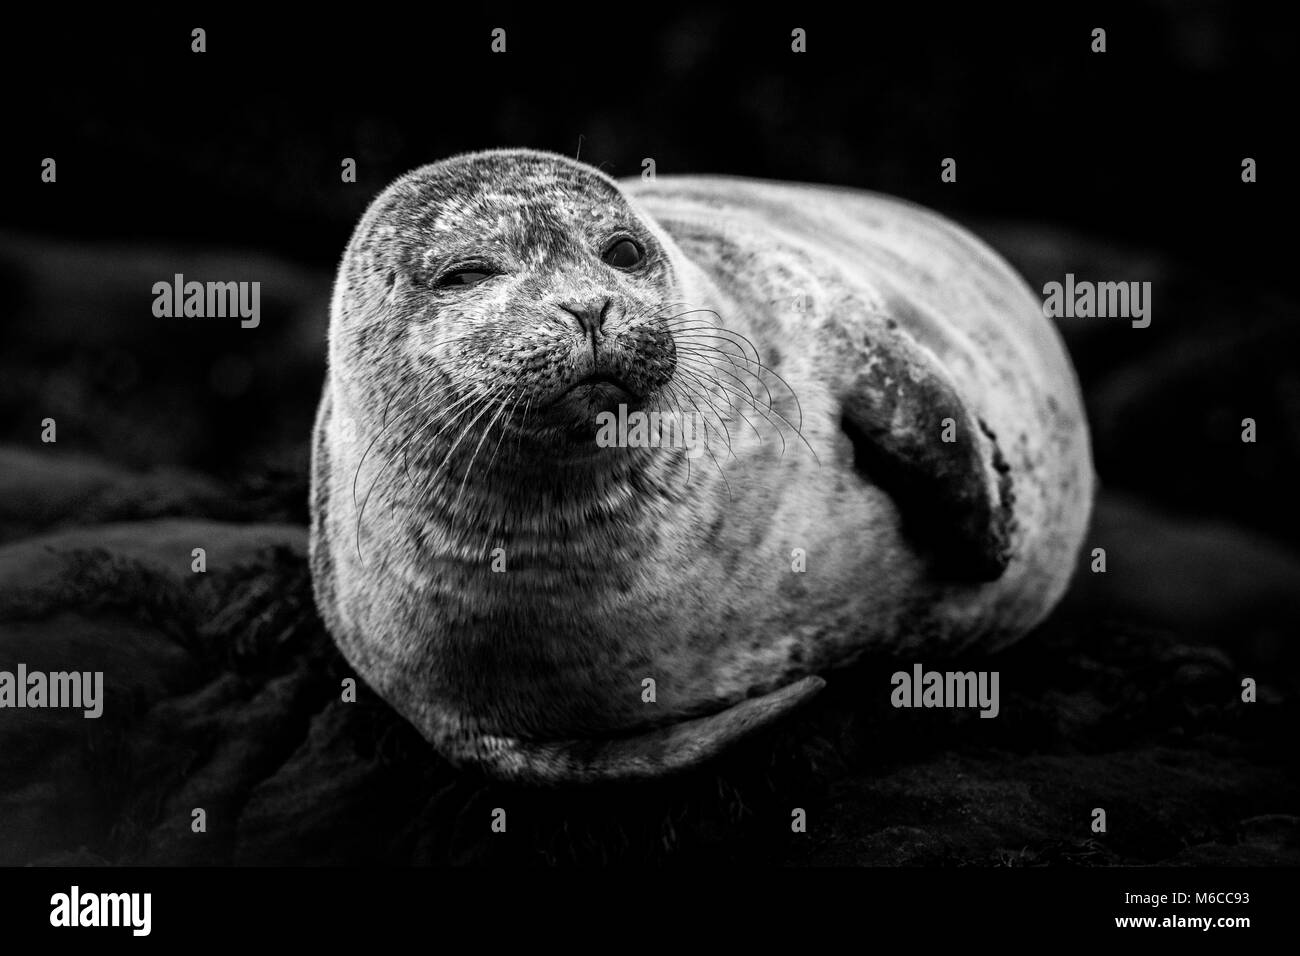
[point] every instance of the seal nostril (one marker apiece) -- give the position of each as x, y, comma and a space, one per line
590, 318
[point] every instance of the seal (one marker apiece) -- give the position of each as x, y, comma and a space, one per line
607, 474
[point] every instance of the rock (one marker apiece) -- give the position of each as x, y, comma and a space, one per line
34, 565
118, 599
43, 488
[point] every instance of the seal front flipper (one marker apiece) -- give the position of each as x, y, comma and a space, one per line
645, 756
916, 438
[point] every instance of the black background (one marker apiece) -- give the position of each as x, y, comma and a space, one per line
243, 143
1133, 155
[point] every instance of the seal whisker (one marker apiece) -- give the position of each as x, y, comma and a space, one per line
682, 331
385, 426
794, 428
668, 401
769, 370
689, 394
497, 447
705, 349
466, 403
445, 426
387, 423
704, 354
485, 402
721, 474
655, 311
707, 354
486, 431
375, 481
707, 448
688, 364
686, 368
722, 328
686, 331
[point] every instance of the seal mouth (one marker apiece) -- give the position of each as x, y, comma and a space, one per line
602, 378
602, 386
579, 404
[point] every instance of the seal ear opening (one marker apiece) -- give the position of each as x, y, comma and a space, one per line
650, 755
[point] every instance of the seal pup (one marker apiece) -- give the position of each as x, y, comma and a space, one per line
893, 456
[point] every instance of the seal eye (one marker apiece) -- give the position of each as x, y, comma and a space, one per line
623, 254
459, 278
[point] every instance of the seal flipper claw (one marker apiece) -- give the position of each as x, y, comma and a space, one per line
645, 756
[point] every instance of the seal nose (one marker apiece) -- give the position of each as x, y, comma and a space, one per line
590, 315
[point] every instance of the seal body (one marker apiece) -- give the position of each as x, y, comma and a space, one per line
892, 456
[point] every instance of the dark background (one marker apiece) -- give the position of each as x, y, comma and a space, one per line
1117, 166
165, 155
